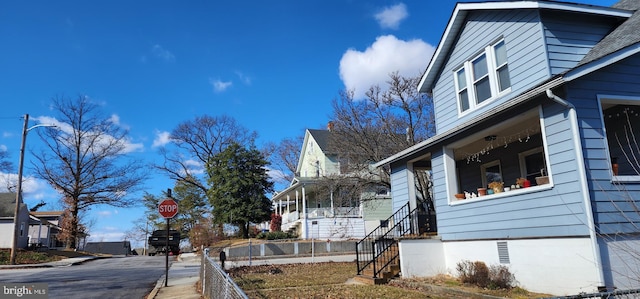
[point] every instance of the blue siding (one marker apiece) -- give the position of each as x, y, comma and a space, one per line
399, 185
526, 53
615, 206
570, 36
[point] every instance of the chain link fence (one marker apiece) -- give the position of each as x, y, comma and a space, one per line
620, 294
216, 283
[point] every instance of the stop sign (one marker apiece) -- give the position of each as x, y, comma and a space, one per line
168, 208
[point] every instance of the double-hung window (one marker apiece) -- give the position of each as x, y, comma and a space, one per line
482, 78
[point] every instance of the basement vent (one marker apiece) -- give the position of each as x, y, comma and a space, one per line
503, 253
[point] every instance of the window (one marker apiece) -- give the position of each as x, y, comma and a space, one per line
622, 125
491, 172
488, 73
532, 164
21, 229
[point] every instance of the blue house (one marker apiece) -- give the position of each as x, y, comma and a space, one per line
535, 164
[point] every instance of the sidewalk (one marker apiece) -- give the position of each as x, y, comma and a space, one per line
61, 263
184, 273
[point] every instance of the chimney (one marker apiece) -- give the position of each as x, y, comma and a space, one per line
330, 126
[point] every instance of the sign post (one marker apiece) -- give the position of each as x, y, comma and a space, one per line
168, 209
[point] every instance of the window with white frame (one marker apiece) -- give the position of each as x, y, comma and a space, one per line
482, 78
533, 165
491, 172
622, 125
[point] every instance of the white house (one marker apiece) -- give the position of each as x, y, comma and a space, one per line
7, 212
311, 210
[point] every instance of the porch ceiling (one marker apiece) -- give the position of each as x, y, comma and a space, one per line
517, 128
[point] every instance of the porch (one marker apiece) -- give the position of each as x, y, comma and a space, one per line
311, 211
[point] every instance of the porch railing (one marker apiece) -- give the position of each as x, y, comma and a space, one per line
380, 247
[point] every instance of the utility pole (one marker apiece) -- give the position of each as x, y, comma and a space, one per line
16, 214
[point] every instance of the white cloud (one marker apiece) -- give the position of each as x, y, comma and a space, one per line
219, 85
7, 134
115, 119
243, 78
33, 189
3, 148
277, 175
107, 234
107, 213
390, 17
162, 138
129, 146
162, 53
195, 167
360, 70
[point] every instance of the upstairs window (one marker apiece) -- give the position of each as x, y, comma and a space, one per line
489, 75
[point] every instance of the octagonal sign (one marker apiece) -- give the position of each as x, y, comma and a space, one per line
168, 208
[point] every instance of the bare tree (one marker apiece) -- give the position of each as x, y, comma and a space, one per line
385, 122
195, 142
5, 165
284, 156
85, 159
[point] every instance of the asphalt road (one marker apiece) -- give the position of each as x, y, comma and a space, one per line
116, 277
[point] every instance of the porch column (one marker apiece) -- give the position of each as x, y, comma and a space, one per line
331, 195
288, 203
297, 207
280, 207
305, 234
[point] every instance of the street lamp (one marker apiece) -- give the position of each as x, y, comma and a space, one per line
16, 229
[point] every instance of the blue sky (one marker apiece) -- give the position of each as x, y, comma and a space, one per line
274, 66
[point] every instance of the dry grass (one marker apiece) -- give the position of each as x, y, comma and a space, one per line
36, 257
329, 280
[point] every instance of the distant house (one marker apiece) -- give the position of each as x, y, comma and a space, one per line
535, 159
44, 226
114, 248
7, 212
312, 209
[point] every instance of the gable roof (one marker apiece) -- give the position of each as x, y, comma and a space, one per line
457, 21
322, 138
621, 43
8, 205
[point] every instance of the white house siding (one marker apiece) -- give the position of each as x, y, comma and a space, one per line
525, 51
539, 265
335, 228
570, 36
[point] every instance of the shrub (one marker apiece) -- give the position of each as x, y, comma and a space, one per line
275, 235
276, 222
501, 277
477, 273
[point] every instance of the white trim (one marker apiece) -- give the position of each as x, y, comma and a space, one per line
460, 12
527, 153
593, 66
473, 121
625, 100
483, 171
582, 176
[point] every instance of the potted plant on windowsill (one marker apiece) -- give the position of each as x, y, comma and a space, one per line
497, 187
542, 179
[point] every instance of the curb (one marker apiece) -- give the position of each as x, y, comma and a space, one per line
157, 288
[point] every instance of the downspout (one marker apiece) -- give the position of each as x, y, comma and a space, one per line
583, 181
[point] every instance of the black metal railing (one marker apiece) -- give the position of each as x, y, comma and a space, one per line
380, 247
